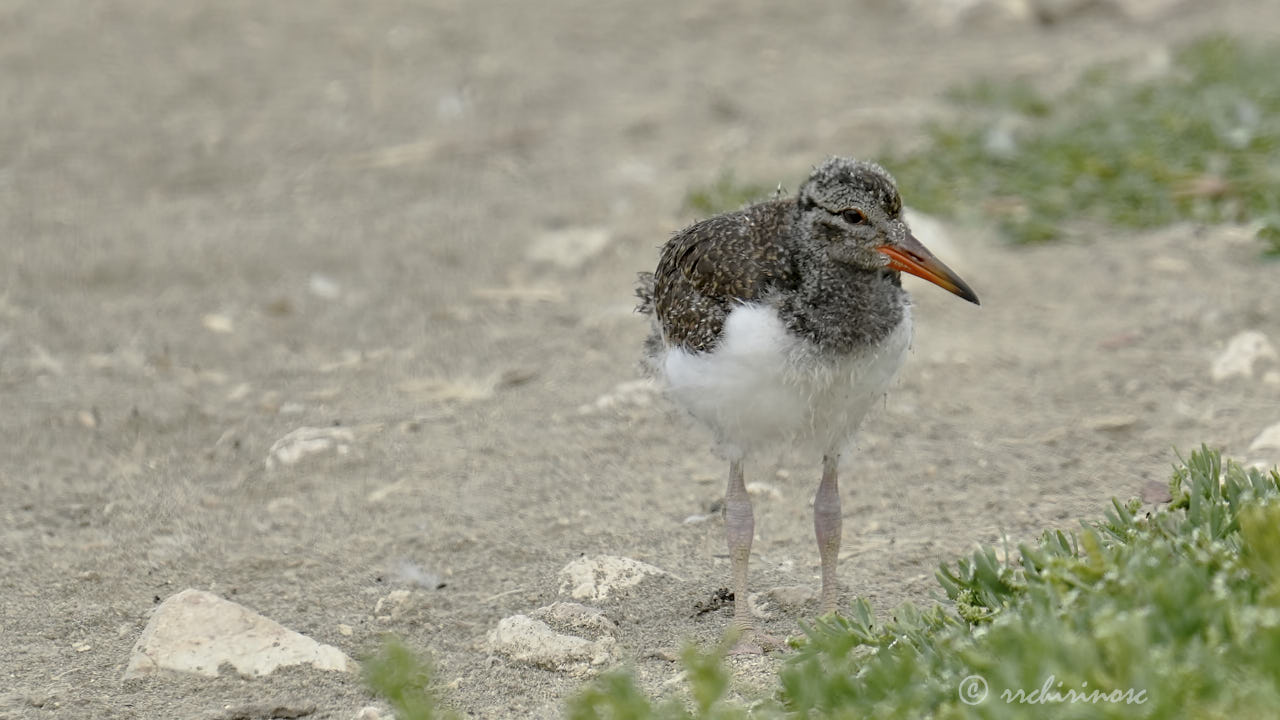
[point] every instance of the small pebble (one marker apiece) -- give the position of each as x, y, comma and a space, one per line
323, 287
217, 323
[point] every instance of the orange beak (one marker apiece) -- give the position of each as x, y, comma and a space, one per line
911, 257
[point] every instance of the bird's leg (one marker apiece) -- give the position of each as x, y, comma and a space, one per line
740, 528
827, 524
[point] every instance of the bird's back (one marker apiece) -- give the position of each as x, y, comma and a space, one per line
714, 265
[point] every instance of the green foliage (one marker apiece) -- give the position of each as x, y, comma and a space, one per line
614, 696
1269, 234
1169, 614
403, 680
723, 195
1200, 142
1019, 96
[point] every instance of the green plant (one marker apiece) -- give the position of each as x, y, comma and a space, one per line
1269, 234
614, 696
1199, 142
403, 679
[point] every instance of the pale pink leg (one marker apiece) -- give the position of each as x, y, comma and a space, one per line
740, 528
827, 525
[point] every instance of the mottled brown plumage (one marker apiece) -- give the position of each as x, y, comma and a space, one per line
713, 265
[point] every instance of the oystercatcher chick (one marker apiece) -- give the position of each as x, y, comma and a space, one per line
784, 322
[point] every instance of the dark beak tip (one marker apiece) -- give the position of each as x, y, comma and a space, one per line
968, 294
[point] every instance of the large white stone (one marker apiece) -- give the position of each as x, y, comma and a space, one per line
197, 632
533, 642
596, 578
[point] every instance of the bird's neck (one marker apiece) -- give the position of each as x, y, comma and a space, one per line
843, 308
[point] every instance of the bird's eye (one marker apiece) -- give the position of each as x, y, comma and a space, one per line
853, 216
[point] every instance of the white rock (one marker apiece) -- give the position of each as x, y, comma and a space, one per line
1268, 439
197, 632
396, 605
1241, 354
569, 248
216, 322
763, 490
305, 441
793, 598
596, 578
571, 616
323, 286
533, 642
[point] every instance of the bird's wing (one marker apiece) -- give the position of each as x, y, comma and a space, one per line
711, 266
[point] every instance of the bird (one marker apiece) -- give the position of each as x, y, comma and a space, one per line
782, 323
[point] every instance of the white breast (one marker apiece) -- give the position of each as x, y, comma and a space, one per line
763, 386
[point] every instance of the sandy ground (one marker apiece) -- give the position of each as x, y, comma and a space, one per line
224, 221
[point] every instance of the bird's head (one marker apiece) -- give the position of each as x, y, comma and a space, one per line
852, 211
